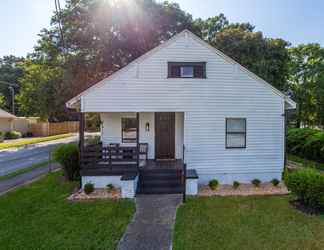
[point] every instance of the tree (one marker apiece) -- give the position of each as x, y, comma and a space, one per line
100, 37
10, 72
307, 83
42, 93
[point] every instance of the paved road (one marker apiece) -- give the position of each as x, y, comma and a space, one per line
18, 158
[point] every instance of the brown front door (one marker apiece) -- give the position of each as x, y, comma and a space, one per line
164, 135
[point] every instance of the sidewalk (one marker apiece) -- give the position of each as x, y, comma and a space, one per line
152, 226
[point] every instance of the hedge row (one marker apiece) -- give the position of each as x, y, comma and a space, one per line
306, 143
308, 187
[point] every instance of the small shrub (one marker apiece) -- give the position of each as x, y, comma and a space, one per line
68, 156
275, 182
88, 188
1, 136
12, 135
236, 184
110, 187
256, 182
308, 186
213, 184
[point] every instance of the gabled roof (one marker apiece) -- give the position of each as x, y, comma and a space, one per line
5, 114
290, 103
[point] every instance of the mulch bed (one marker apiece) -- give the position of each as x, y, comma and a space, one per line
97, 194
244, 190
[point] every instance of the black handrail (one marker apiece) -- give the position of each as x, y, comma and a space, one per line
184, 182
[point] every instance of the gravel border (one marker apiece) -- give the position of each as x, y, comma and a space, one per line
97, 194
244, 190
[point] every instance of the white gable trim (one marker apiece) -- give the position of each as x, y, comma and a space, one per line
76, 99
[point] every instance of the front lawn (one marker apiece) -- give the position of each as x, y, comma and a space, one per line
38, 216
27, 141
246, 223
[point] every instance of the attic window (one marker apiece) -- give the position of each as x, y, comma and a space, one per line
186, 69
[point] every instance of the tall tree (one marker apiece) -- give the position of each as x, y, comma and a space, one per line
10, 72
100, 37
307, 83
42, 92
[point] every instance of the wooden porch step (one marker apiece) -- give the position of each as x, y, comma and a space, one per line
160, 181
164, 190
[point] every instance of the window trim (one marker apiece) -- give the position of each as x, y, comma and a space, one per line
241, 133
181, 64
124, 140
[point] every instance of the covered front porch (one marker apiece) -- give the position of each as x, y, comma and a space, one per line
144, 148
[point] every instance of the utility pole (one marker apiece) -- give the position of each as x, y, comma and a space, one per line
12, 90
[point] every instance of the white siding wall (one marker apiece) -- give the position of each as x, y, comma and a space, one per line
111, 130
228, 91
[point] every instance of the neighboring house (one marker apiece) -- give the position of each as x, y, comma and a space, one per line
191, 103
6, 121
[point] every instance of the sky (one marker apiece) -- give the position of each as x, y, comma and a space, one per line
297, 21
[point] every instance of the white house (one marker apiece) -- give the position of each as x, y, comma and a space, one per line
195, 105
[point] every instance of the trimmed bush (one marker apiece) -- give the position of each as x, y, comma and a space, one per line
88, 188
68, 156
213, 184
256, 182
12, 135
308, 186
236, 184
306, 143
275, 182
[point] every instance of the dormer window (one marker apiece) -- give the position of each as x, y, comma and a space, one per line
186, 69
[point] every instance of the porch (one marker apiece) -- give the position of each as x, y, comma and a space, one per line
149, 154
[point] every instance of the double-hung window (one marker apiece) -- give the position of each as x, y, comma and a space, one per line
235, 133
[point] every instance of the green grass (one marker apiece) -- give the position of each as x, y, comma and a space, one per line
38, 216
27, 141
246, 223
24, 170
305, 162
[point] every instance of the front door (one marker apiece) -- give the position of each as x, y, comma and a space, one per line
164, 135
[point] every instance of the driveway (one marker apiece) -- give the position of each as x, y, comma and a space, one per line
17, 158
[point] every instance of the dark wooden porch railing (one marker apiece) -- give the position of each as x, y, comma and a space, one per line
184, 175
112, 156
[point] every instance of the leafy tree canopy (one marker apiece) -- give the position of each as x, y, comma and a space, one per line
10, 72
307, 83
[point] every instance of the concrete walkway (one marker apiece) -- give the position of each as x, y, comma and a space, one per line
152, 226
19, 180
